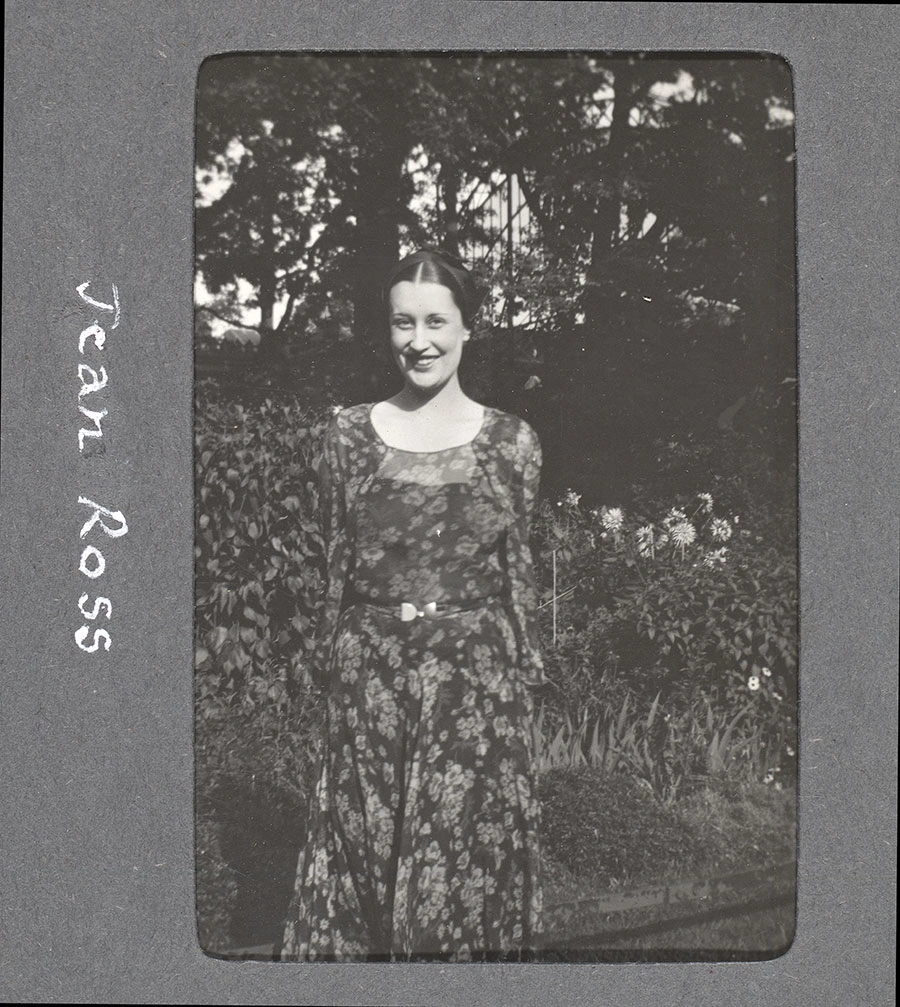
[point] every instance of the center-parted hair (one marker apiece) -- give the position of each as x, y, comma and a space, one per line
429, 265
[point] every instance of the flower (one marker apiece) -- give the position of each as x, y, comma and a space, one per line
715, 557
683, 534
721, 530
612, 518
769, 777
767, 672
572, 498
335, 410
674, 516
706, 502
753, 683
789, 750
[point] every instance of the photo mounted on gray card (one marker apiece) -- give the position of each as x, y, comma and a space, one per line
496, 520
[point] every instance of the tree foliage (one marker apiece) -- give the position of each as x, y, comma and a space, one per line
656, 269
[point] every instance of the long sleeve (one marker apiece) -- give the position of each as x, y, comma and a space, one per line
520, 566
332, 507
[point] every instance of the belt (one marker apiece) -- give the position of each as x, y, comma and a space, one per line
407, 611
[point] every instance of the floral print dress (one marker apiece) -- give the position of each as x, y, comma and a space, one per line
423, 834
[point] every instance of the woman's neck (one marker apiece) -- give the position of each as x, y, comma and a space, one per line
417, 422
445, 401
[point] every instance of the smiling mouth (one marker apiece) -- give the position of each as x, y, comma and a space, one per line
423, 361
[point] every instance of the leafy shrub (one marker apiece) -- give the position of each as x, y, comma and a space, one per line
606, 830
590, 821
258, 555
688, 618
258, 552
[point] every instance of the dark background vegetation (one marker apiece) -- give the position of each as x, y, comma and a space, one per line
655, 357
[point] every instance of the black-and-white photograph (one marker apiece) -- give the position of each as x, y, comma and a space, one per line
496, 568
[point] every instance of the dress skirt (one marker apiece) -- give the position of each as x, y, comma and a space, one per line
423, 837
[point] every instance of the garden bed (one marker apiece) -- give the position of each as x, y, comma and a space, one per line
624, 876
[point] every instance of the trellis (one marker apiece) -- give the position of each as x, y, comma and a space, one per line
503, 208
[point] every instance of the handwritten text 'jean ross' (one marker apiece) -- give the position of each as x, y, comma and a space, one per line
109, 521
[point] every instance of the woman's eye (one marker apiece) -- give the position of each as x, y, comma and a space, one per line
402, 323
435, 323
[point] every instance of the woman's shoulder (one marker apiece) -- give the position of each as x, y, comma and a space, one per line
510, 428
350, 420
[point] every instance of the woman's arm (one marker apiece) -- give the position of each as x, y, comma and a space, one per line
332, 508
520, 565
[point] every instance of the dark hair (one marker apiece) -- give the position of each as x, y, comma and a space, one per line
433, 265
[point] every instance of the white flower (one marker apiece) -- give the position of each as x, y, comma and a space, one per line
675, 516
335, 410
683, 534
753, 683
767, 672
612, 518
715, 557
769, 777
572, 498
706, 502
789, 750
721, 530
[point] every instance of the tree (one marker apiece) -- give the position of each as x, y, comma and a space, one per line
659, 193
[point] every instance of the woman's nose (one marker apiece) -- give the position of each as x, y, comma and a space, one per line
419, 340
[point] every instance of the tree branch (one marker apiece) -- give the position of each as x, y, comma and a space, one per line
288, 312
533, 203
224, 318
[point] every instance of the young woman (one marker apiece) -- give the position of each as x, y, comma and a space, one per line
423, 837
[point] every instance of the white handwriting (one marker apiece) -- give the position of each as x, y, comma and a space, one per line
92, 562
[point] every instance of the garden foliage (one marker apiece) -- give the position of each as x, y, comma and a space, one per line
670, 642
672, 650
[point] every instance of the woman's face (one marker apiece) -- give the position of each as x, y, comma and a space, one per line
427, 333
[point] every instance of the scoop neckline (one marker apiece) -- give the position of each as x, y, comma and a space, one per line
438, 451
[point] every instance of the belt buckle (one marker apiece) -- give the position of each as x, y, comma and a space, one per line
409, 611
